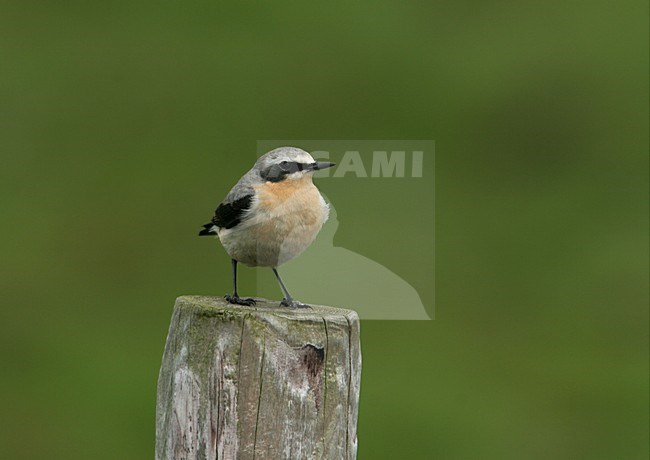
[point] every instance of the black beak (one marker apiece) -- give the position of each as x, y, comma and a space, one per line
320, 165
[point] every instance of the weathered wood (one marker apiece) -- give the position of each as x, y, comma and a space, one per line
263, 382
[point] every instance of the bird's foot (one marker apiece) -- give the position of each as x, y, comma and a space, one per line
293, 304
235, 299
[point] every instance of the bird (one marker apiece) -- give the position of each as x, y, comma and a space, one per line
272, 214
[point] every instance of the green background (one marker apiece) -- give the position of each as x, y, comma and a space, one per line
122, 124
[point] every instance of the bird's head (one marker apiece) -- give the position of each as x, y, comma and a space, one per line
288, 163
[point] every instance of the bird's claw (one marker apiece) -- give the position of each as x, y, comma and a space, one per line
293, 304
235, 299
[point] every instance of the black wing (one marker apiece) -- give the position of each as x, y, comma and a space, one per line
228, 215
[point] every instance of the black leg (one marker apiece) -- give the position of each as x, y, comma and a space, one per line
234, 298
234, 277
288, 301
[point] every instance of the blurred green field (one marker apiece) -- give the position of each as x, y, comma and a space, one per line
123, 124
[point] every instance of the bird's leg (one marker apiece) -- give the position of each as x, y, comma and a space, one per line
234, 298
288, 301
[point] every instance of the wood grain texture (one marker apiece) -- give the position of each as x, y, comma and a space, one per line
262, 382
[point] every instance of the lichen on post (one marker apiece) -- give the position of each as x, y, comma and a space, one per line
263, 382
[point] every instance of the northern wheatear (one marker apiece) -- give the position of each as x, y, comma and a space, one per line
271, 215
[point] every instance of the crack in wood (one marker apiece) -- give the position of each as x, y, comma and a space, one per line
259, 401
347, 418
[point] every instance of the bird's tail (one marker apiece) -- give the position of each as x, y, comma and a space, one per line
208, 229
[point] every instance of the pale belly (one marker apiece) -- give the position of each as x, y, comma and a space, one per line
278, 231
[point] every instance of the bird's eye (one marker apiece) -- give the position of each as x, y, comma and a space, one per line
284, 163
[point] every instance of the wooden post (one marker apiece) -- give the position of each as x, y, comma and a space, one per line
263, 382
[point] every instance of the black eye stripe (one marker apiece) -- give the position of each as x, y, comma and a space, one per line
292, 166
279, 171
